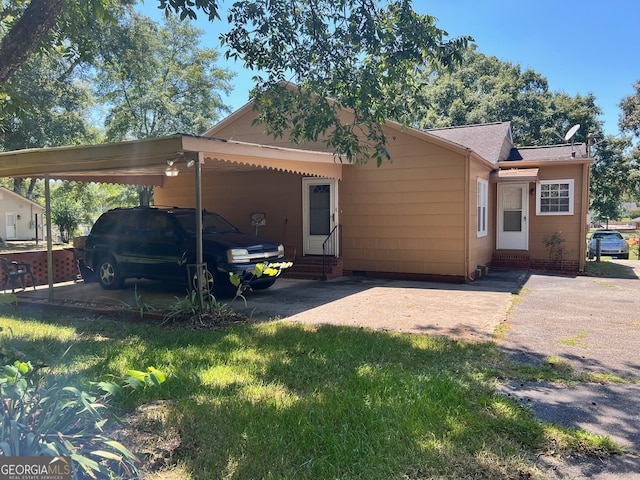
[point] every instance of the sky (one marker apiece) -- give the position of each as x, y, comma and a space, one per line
580, 46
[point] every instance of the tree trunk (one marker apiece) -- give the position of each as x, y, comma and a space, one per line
25, 36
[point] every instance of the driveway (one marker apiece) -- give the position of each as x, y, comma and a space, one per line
594, 325
469, 312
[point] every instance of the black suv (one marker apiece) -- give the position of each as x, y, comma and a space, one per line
160, 244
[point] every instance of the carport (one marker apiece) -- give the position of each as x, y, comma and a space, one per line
150, 161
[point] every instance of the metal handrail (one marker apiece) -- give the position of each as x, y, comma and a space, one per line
324, 253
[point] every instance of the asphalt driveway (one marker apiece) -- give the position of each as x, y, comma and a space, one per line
593, 324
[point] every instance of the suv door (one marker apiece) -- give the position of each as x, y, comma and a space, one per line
161, 247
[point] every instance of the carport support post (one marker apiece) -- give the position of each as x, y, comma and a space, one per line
199, 255
47, 204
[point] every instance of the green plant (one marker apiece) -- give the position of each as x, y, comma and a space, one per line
273, 269
140, 306
189, 307
132, 380
555, 244
45, 417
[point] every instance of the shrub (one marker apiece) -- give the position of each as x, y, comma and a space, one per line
44, 416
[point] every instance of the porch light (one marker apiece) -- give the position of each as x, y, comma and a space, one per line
171, 170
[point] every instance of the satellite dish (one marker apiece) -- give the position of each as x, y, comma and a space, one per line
572, 131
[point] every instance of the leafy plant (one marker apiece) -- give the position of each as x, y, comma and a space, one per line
555, 244
134, 380
265, 268
141, 306
189, 306
44, 417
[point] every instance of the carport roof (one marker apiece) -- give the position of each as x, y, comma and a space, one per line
143, 162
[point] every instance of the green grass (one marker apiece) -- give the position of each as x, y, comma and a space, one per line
286, 401
608, 269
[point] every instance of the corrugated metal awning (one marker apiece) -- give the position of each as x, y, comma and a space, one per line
515, 175
143, 162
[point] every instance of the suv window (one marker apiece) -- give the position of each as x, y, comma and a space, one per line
211, 223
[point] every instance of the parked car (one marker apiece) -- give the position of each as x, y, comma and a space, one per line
611, 243
160, 244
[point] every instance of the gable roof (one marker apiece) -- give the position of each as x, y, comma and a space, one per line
492, 141
18, 197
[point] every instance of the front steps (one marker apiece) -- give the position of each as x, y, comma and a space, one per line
310, 268
511, 260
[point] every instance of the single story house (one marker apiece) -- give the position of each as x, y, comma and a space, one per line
451, 203
20, 218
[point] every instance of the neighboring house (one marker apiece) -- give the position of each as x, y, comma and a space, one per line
20, 218
452, 200
628, 207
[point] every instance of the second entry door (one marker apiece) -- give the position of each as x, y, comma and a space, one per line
513, 207
320, 200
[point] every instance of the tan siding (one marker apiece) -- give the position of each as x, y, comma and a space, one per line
568, 225
242, 130
407, 216
237, 195
480, 248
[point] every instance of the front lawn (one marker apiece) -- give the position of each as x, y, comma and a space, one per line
286, 401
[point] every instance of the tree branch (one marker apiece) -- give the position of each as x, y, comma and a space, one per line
25, 36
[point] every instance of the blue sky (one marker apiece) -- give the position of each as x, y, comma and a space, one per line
581, 47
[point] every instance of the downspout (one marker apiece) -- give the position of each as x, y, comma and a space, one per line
583, 220
467, 213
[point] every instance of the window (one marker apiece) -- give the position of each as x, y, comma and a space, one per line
555, 197
483, 200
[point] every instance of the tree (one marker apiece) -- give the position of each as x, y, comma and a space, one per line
341, 54
65, 215
630, 115
49, 25
630, 123
156, 81
486, 89
609, 172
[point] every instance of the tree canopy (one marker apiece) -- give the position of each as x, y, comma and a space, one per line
485, 89
630, 123
356, 54
157, 81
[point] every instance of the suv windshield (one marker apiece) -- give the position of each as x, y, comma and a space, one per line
211, 223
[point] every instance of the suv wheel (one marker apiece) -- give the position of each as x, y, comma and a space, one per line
108, 274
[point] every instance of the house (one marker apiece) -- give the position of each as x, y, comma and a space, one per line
20, 218
451, 202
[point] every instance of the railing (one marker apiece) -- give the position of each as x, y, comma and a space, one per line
331, 246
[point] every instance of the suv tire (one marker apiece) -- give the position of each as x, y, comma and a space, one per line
108, 274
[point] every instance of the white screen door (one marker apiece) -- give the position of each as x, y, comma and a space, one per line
319, 212
513, 207
12, 231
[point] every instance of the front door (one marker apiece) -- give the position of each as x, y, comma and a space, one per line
12, 231
319, 216
513, 208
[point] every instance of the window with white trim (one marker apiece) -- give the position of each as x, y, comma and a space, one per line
483, 200
555, 197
